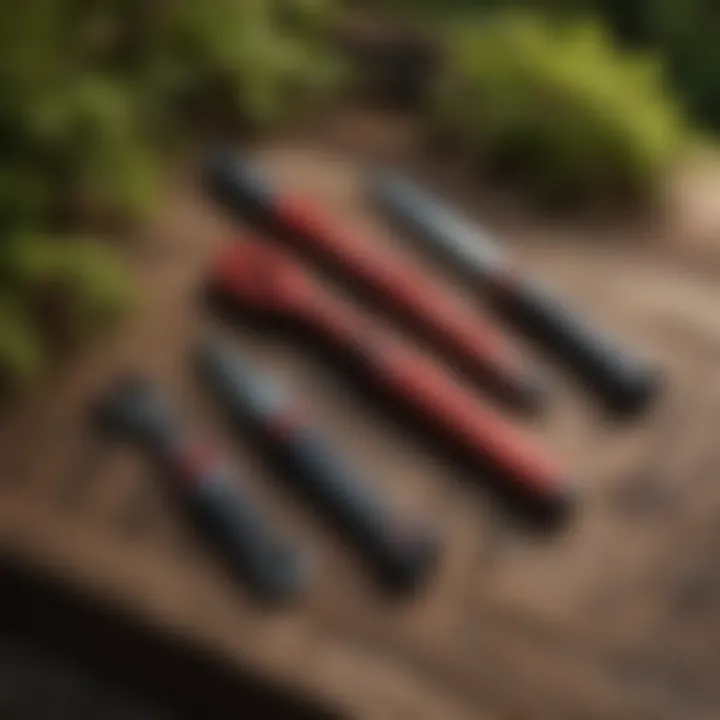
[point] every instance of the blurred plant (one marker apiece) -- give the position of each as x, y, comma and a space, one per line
92, 90
558, 107
21, 355
257, 61
55, 292
683, 33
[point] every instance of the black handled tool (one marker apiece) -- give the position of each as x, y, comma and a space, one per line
273, 570
401, 553
625, 383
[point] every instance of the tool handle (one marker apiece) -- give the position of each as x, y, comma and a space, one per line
135, 410
402, 553
238, 187
473, 344
273, 570
425, 390
625, 383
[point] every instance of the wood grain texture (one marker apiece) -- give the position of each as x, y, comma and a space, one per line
612, 618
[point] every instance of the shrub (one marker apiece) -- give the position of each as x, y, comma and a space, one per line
21, 354
258, 60
54, 294
92, 89
558, 107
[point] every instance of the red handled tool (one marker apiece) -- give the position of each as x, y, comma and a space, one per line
417, 298
254, 276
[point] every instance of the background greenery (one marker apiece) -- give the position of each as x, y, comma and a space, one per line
556, 107
572, 99
92, 91
682, 33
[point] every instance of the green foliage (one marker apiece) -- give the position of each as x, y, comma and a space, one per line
88, 136
682, 33
423, 9
85, 278
309, 15
54, 293
92, 90
21, 353
558, 107
246, 54
686, 33
88, 279
91, 87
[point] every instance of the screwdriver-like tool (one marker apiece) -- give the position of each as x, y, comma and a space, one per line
272, 569
254, 276
394, 282
400, 552
624, 382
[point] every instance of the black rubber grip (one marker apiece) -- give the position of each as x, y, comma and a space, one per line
402, 554
625, 383
622, 381
135, 410
272, 569
235, 185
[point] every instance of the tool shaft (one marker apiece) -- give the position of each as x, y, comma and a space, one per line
254, 277
393, 281
400, 551
625, 382
226, 513
425, 390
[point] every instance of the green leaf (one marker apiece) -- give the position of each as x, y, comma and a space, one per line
560, 105
22, 354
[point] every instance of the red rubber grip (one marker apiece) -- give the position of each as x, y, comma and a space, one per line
407, 290
450, 409
191, 464
256, 276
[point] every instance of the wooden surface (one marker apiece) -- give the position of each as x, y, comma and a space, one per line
615, 617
